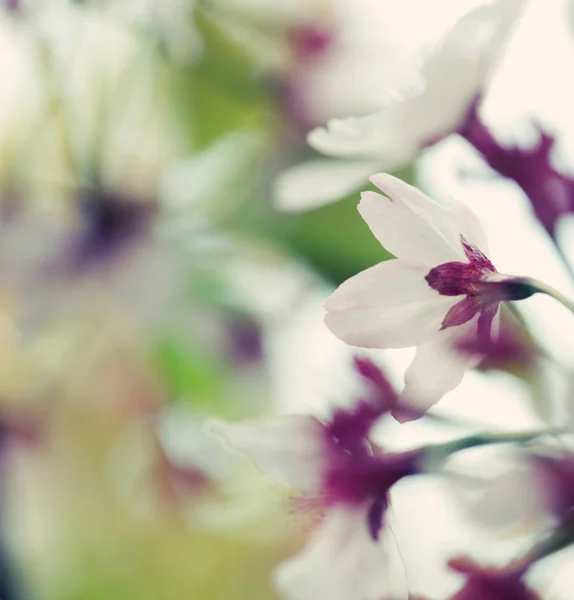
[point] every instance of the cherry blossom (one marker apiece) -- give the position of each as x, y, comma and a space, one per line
440, 289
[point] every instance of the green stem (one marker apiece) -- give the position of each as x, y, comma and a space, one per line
437, 453
543, 288
560, 539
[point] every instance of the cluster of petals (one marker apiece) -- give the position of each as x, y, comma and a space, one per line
440, 289
345, 479
454, 75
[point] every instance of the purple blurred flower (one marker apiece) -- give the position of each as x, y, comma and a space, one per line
12, 5
110, 225
550, 192
511, 349
244, 342
555, 477
382, 392
309, 45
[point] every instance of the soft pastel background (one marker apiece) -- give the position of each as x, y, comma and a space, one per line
148, 280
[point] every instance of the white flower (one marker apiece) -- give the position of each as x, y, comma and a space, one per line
392, 137
440, 288
335, 469
341, 562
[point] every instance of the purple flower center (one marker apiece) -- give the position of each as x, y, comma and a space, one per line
459, 278
483, 289
494, 584
357, 474
311, 43
471, 280
110, 224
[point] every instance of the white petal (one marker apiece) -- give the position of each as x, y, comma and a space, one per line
389, 305
340, 562
319, 182
469, 225
457, 72
437, 367
409, 224
454, 75
378, 135
512, 500
292, 446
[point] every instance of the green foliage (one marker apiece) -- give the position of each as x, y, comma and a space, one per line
192, 375
334, 239
222, 91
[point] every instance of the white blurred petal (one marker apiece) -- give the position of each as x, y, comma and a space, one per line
454, 75
389, 305
292, 446
513, 500
372, 136
437, 367
420, 229
457, 72
319, 182
340, 562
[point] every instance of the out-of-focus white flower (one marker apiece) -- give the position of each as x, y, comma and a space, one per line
111, 98
346, 481
453, 75
502, 496
441, 288
335, 58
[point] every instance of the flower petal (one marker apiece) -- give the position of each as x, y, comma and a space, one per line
462, 312
457, 72
511, 499
389, 305
361, 137
469, 225
340, 562
454, 75
421, 229
293, 446
319, 182
437, 367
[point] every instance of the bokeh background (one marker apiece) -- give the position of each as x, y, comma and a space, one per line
150, 278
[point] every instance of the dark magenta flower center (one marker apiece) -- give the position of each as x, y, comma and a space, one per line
460, 278
358, 473
469, 279
484, 583
482, 287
